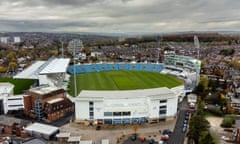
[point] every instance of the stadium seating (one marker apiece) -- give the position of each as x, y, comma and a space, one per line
87, 68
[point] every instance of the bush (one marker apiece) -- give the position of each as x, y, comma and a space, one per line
227, 122
215, 111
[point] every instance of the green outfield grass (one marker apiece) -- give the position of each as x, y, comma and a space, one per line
122, 80
20, 85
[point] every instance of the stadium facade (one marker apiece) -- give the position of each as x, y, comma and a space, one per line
182, 62
183, 66
127, 107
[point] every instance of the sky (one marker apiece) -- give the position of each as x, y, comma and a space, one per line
119, 16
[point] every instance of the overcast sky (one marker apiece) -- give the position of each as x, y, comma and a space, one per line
119, 15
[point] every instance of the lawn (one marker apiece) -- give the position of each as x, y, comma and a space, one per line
122, 80
20, 85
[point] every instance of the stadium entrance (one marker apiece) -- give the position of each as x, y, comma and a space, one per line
1, 107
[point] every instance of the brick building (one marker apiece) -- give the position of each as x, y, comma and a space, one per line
47, 103
236, 133
12, 125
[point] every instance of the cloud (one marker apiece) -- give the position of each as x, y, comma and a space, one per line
119, 15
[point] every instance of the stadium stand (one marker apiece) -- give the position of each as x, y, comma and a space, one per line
51, 72
86, 68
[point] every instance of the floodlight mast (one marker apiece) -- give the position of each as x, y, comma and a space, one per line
196, 43
62, 49
74, 66
158, 47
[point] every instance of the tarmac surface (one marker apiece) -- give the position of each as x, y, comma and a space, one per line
113, 133
123, 133
178, 136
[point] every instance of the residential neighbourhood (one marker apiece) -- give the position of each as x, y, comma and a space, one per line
210, 93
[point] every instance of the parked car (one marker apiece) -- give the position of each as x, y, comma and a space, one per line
184, 129
166, 132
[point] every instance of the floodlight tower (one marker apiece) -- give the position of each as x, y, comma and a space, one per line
159, 39
196, 43
62, 47
74, 67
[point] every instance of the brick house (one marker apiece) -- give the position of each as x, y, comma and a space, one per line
47, 103
12, 125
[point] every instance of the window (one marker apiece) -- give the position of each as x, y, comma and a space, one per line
91, 103
91, 114
126, 113
162, 112
108, 113
163, 101
117, 113
163, 107
91, 109
107, 121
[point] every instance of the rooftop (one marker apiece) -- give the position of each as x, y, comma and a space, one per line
34, 141
55, 100
153, 93
6, 87
86, 142
63, 135
42, 128
74, 139
54, 65
8, 121
44, 89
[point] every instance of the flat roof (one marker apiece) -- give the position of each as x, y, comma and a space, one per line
42, 128
105, 141
44, 89
63, 135
6, 120
34, 141
86, 142
56, 66
74, 139
55, 100
6, 87
100, 95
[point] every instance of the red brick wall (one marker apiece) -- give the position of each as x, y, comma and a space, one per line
27, 104
8, 129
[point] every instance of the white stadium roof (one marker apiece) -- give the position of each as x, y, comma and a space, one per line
31, 72
100, 95
55, 65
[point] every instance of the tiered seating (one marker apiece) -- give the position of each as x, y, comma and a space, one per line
139, 67
87, 68
109, 67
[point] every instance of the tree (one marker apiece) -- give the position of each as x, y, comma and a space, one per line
12, 66
197, 125
199, 88
135, 129
208, 139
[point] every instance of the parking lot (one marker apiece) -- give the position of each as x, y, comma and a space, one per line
149, 131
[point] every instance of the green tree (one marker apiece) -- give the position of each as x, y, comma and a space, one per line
197, 125
12, 66
199, 88
208, 139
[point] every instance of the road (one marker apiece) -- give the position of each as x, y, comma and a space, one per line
177, 137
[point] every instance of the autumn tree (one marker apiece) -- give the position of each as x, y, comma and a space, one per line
198, 124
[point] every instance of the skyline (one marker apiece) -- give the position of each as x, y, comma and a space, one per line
119, 16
